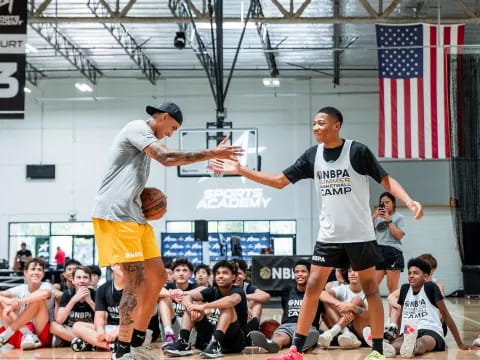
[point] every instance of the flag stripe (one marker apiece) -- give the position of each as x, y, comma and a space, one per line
425, 96
393, 90
400, 118
421, 119
433, 90
381, 127
414, 117
407, 129
388, 117
447, 42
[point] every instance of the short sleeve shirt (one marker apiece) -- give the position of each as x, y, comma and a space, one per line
81, 311
118, 198
21, 291
179, 308
362, 159
108, 299
384, 235
213, 293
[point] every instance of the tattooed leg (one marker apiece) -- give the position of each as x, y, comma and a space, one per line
135, 275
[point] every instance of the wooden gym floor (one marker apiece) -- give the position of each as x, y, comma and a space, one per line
465, 312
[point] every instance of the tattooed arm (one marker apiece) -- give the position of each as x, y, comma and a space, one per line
172, 157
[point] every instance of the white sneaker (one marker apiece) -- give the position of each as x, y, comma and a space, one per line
388, 350
349, 341
410, 333
325, 339
476, 342
30, 341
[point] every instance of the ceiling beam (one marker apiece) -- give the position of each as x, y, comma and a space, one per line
336, 44
264, 37
33, 19
33, 74
127, 42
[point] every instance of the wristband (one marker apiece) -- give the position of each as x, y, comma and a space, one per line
359, 311
388, 222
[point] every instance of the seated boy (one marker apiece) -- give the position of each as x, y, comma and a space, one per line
292, 299
75, 305
228, 336
346, 313
25, 309
422, 308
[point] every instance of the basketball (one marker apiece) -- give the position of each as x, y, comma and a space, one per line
267, 327
154, 203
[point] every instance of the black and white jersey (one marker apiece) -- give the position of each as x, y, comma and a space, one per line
292, 300
108, 299
421, 308
81, 311
179, 308
341, 179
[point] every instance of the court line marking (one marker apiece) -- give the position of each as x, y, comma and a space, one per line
465, 318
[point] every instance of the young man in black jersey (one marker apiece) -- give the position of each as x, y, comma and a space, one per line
76, 304
228, 336
170, 299
340, 169
292, 298
422, 309
67, 278
255, 296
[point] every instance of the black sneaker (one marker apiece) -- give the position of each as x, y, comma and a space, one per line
212, 351
180, 347
259, 339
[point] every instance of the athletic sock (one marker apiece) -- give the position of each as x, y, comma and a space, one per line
168, 329
138, 338
7, 334
335, 330
185, 334
299, 341
122, 348
378, 345
218, 335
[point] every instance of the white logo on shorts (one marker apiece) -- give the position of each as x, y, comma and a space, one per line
134, 254
318, 258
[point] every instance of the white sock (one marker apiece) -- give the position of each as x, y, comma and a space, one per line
335, 330
168, 329
346, 331
7, 334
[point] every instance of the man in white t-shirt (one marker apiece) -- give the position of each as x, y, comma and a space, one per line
346, 308
26, 309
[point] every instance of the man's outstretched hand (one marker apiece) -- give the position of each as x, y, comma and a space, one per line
224, 166
224, 151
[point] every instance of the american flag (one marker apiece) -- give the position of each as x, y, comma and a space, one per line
413, 86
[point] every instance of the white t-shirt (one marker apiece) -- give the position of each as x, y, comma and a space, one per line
345, 294
21, 291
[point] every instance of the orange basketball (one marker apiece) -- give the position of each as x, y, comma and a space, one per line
154, 203
267, 327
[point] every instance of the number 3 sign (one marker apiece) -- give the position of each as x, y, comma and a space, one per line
13, 21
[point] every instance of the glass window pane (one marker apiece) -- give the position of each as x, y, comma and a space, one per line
15, 242
283, 227
83, 249
212, 226
230, 226
72, 228
29, 229
256, 226
65, 242
179, 226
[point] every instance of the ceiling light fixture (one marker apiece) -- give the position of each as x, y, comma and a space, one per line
27, 90
179, 41
83, 87
271, 82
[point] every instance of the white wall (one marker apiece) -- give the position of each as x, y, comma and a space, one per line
75, 135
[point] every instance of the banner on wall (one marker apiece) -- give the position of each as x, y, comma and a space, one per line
13, 37
182, 245
42, 247
274, 273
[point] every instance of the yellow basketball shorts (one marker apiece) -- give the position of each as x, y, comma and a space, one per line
124, 242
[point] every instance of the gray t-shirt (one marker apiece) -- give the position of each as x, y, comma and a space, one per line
384, 235
119, 196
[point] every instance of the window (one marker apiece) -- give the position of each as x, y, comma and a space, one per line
256, 226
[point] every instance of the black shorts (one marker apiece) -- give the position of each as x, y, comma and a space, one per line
233, 342
440, 346
392, 259
359, 256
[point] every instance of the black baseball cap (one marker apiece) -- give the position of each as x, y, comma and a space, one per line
167, 107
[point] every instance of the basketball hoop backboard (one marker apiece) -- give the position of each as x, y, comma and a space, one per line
197, 139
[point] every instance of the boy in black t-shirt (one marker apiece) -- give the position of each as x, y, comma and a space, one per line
292, 298
422, 309
228, 336
104, 331
255, 296
75, 305
170, 304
